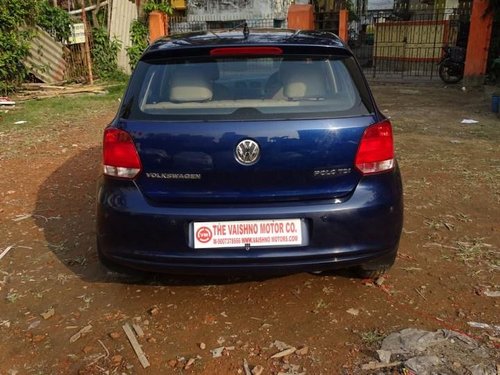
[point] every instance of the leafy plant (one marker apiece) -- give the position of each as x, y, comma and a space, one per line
158, 5
139, 40
353, 16
54, 20
105, 54
373, 338
15, 17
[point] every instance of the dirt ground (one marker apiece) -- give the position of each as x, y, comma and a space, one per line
447, 266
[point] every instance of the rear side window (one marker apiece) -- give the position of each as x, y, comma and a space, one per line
247, 88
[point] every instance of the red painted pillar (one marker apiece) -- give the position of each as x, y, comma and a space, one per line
157, 25
478, 42
344, 25
301, 17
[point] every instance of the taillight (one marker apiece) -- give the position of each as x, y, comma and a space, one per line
244, 51
376, 149
120, 155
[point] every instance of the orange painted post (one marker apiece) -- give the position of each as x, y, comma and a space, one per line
478, 42
156, 25
344, 25
301, 17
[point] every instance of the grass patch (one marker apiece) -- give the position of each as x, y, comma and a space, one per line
473, 249
372, 339
63, 109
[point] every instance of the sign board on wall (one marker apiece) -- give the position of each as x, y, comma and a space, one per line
380, 4
77, 34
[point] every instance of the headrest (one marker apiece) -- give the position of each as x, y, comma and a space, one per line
190, 84
303, 80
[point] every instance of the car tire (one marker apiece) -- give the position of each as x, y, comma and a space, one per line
375, 269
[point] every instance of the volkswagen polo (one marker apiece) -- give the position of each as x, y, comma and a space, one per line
261, 151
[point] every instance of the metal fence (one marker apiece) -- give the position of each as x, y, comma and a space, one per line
326, 15
494, 52
77, 67
407, 42
179, 25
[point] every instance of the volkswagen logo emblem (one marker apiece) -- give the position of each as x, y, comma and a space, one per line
247, 152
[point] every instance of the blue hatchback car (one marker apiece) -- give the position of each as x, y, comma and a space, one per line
249, 152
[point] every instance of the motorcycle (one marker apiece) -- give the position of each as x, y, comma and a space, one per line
451, 66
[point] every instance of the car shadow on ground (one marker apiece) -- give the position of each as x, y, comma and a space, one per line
65, 211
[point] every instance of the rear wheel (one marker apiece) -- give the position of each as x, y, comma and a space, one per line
375, 269
449, 74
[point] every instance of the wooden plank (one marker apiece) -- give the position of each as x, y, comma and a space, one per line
378, 365
135, 345
7, 249
138, 330
80, 333
86, 45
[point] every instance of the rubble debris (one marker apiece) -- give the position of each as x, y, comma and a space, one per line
246, 368
280, 345
302, 350
38, 338
410, 340
423, 365
291, 370
202, 346
34, 324
257, 370
30, 91
80, 333
484, 326
21, 217
48, 314
6, 101
116, 359
380, 280
104, 347
135, 345
368, 282
468, 121
491, 293
115, 335
189, 363
378, 365
284, 353
443, 351
172, 363
217, 352
154, 310
354, 312
482, 369
384, 356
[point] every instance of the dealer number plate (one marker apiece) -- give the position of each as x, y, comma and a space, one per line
253, 233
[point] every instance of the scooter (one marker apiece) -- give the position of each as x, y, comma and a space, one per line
451, 66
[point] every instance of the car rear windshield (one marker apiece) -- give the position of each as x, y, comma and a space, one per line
278, 87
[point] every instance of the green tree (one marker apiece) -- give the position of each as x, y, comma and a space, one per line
16, 17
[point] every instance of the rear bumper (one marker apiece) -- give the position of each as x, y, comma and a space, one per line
364, 228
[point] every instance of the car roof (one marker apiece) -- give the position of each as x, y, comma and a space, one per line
217, 38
